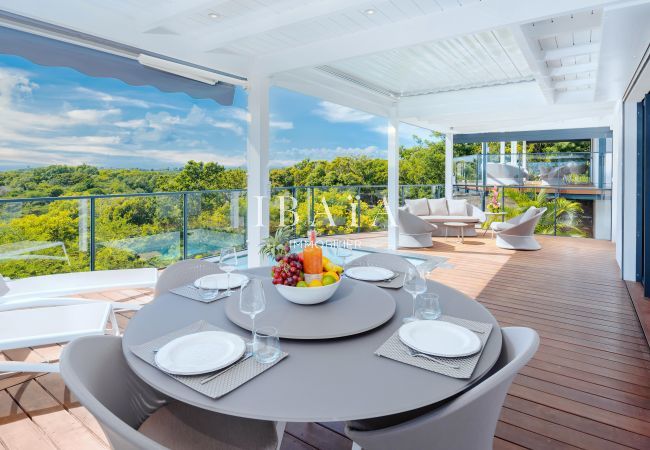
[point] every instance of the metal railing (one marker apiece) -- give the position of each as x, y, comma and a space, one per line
161, 227
556, 169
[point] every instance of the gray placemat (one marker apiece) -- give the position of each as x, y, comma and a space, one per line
191, 292
395, 283
228, 381
393, 348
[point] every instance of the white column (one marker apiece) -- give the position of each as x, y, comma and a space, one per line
257, 158
524, 161
595, 167
449, 165
502, 153
513, 152
393, 179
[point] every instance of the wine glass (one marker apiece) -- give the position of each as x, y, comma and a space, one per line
414, 284
252, 302
228, 263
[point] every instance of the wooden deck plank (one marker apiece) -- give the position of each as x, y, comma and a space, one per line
60, 426
17, 430
587, 387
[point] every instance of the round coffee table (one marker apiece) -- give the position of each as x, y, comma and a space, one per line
490, 219
460, 230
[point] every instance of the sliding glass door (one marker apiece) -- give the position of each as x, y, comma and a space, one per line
643, 204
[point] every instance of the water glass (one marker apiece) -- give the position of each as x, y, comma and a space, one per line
228, 263
207, 290
343, 253
427, 306
266, 345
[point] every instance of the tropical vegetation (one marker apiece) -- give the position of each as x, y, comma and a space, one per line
138, 214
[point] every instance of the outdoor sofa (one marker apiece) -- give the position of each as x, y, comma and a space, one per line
437, 211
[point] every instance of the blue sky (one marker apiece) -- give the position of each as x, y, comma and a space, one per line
51, 115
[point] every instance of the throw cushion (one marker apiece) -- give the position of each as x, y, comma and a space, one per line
418, 206
457, 207
438, 207
530, 212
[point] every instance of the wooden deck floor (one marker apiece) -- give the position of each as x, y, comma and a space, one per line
587, 387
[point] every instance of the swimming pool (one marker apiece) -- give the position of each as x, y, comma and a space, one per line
431, 261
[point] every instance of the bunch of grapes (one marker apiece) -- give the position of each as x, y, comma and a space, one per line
288, 270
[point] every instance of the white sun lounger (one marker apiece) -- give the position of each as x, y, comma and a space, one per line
51, 325
30, 292
33, 313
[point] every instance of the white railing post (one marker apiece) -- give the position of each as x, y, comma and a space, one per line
393, 178
502, 153
524, 160
449, 165
257, 158
513, 152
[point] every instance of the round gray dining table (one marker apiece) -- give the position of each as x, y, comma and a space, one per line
321, 380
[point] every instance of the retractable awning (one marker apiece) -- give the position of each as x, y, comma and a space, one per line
51, 52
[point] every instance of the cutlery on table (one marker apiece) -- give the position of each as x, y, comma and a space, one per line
216, 374
415, 353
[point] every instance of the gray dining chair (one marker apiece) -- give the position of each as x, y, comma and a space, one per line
182, 273
466, 422
395, 263
135, 416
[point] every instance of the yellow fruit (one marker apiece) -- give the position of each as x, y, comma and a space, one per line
315, 283
328, 279
325, 260
332, 274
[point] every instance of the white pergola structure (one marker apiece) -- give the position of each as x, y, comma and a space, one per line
455, 66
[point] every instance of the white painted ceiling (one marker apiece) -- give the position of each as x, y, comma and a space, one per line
470, 65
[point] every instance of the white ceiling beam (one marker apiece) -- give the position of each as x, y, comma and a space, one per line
576, 68
574, 50
531, 52
476, 17
91, 18
580, 82
264, 21
337, 91
168, 11
586, 20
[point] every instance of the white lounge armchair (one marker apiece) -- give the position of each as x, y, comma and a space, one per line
31, 314
518, 233
414, 232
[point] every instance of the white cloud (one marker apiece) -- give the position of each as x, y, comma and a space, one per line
294, 155
90, 116
231, 126
135, 123
341, 114
31, 136
109, 98
406, 131
281, 125
236, 113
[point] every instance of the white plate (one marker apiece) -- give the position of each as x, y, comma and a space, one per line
438, 338
198, 353
369, 273
220, 280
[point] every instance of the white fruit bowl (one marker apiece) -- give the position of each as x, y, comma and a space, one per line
308, 295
